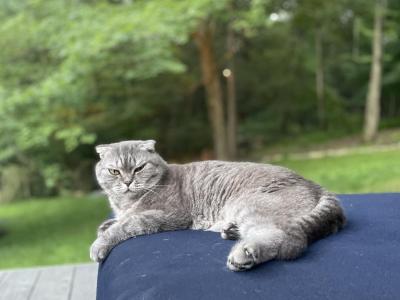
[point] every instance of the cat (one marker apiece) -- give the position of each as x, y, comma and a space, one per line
272, 212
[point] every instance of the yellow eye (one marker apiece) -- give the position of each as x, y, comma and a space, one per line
114, 172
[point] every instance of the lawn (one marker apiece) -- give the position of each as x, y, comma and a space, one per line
56, 231
353, 173
49, 231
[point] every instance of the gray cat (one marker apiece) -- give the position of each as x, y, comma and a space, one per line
271, 211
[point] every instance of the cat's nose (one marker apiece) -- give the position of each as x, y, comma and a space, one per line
128, 181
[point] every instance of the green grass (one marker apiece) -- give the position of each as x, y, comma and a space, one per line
353, 173
49, 231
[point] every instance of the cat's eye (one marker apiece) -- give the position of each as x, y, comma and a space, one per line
138, 169
114, 172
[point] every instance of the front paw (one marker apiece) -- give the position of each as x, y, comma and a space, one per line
99, 250
105, 225
230, 232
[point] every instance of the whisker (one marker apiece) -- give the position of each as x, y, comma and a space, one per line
148, 189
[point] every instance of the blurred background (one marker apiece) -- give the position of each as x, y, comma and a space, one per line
313, 85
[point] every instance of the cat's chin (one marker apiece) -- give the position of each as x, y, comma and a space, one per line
124, 194
122, 191
132, 192
128, 192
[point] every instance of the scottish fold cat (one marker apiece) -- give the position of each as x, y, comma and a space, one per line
272, 212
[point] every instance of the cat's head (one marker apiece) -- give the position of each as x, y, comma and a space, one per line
129, 167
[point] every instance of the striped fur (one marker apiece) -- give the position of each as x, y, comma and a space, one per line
272, 212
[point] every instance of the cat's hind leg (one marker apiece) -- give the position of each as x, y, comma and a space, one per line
263, 242
259, 243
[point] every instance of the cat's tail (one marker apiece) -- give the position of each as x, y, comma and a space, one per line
325, 218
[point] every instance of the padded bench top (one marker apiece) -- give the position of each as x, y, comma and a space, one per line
361, 262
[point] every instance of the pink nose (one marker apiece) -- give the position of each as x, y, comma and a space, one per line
128, 182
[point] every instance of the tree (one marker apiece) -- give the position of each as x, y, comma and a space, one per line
230, 73
204, 37
75, 73
49, 104
319, 75
372, 108
322, 23
235, 17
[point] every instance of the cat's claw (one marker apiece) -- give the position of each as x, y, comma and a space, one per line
99, 250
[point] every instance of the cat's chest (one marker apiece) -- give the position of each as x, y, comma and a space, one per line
124, 205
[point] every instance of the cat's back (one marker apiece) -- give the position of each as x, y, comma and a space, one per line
240, 172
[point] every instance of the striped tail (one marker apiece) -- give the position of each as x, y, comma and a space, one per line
326, 218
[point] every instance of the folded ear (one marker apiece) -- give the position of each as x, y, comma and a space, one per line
148, 145
102, 150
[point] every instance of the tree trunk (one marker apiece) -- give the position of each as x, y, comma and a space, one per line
372, 108
392, 107
319, 78
231, 96
356, 38
212, 83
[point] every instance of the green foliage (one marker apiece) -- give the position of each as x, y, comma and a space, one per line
76, 73
57, 51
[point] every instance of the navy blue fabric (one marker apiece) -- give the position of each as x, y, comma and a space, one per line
361, 262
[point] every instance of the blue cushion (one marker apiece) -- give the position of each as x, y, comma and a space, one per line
361, 262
